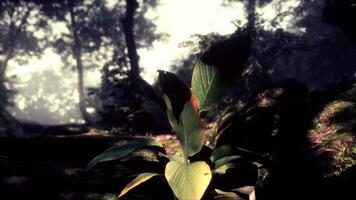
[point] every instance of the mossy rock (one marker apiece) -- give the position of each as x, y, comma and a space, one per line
334, 134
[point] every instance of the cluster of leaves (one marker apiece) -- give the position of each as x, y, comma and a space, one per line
278, 128
264, 139
189, 175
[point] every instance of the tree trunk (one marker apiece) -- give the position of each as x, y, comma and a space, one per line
77, 53
251, 17
11, 41
10, 126
128, 25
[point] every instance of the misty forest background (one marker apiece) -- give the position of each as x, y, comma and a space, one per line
51, 128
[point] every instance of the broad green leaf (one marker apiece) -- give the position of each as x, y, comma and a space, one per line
222, 161
137, 181
208, 85
221, 152
188, 181
224, 168
188, 128
120, 151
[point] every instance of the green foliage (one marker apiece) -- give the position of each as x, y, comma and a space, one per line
137, 181
225, 160
188, 129
223, 169
208, 85
221, 152
120, 151
189, 175
188, 181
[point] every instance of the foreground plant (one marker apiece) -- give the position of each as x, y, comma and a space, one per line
187, 179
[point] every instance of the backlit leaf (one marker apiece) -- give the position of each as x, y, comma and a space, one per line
224, 168
137, 181
188, 129
222, 195
208, 85
188, 181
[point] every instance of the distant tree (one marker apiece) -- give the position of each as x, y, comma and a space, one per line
294, 43
77, 48
17, 42
101, 37
93, 34
13, 34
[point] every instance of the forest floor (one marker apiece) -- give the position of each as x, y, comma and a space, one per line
52, 166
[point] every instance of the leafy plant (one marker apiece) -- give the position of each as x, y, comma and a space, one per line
188, 178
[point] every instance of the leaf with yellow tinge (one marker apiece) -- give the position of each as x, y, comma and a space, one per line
222, 195
222, 169
188, 128
137, 181
188, 181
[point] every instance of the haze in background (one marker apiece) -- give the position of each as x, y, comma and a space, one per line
47, 91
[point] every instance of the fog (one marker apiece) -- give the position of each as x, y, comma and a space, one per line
46, 89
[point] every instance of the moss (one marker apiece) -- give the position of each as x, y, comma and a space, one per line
354, 149
333, 132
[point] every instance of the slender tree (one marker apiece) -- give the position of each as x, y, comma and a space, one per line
77, 53
128, 26
87, 28
16, 26
16, 43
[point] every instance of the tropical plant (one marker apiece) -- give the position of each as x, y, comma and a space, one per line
190, 174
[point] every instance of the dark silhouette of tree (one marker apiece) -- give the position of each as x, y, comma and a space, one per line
15, 17
128, 25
